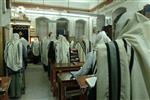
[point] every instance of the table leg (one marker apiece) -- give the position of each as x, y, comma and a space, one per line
84, 95
62, 92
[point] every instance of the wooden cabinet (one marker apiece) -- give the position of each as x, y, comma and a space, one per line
4, 85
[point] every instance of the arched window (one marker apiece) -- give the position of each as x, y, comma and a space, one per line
80, 28
42, 27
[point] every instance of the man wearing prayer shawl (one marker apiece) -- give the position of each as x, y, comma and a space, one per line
35, 46
44, 49
14, 61
90, 61
123, 66
62, 50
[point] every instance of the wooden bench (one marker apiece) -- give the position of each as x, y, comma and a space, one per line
59, 68
67, 87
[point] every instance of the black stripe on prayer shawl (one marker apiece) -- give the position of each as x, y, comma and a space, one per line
131, 60
130, 68
119, 69
132, 55
109, 70
94, 68
82, 43
114, 70
84, 46
125, 44
130, 64
18, 47
90, 46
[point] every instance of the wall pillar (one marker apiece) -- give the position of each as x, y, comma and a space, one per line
1, 51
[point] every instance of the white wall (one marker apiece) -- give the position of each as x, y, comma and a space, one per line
52, 23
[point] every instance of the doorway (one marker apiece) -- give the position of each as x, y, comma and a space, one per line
22, 30
62, 27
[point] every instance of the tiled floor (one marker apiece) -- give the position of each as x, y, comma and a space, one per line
37, 84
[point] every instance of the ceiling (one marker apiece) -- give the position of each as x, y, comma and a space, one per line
74, 4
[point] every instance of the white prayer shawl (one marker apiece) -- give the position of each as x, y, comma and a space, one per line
72, 44
93, 38
58, 51
44, 50
65, 48
62, 50
101, 38
80, 52
136, 32
13, 53
36, 48
90, 61
91, 56
24, 42
53, 37
86, 41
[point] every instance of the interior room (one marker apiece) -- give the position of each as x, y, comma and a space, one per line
74, 50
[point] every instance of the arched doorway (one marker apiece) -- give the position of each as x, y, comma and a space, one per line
22, 30
62, 27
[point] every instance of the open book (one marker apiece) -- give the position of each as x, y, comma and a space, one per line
91, 81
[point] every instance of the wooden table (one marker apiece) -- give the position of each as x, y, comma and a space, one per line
65, 82
65, 67
5, 82
61, 67
83, 86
